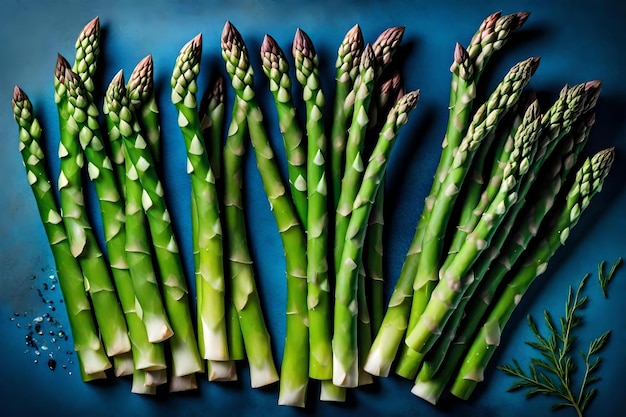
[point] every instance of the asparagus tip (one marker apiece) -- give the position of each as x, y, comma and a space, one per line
520, 19
302, 43
18, 94
62, 65
534, 64
118, 79
460, 53
269, 45
229, 34
92, 27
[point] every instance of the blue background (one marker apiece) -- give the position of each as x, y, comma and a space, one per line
578, 41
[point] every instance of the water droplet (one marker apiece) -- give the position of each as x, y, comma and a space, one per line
12, 318
53, 340
52, 364
53, 287
37, 352
44, 347
36, 361
38, 319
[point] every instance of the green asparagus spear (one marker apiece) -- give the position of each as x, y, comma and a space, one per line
89, 350
82, 239
345, 354
210, 267
294, 368
347, 69
256, 336
319, 303
353, 170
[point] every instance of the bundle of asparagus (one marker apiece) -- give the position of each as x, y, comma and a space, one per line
511, 183
507, 191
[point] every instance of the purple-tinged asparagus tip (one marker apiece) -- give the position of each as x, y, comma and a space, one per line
91, 28
18, 95
302, 43
520, 19
460, 53
489, 22
60, 70
118, 79
534, 64
390, 36
355, 34
270, 46
229, 35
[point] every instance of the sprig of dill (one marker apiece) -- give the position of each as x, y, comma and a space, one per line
553, 372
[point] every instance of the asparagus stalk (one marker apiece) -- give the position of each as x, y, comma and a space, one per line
83, 243
345, 359
185, 357
140, 90
209, 268
347, 69
390, 91
353, 170
319, 303
276, 67
212, 114
256, 336
588, 182
89, 350
294, 369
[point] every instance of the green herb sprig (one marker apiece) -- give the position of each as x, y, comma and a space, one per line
553, 373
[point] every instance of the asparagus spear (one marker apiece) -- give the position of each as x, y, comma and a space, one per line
212, 114
353, 170
389, 92
89, 350
319, 303
209, 269
345, 359
347, 69
294, 369
185, 357
588, 182
83, 243
276, 68
256, 336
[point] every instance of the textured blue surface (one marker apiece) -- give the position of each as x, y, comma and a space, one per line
577, 41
